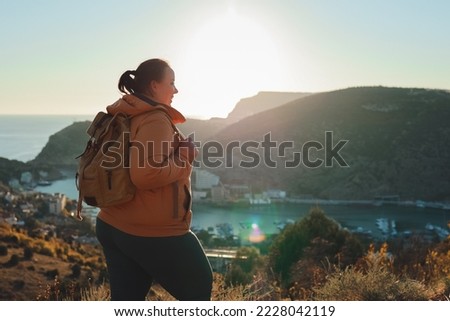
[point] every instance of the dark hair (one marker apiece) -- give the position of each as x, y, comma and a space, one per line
137, 81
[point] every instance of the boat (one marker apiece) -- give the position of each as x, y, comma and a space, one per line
383, 225
282, 224
42, 182
260, 201
441, 232
420, 204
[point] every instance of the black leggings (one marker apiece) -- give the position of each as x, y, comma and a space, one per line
177, 263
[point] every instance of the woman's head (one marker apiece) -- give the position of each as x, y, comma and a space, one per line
153, 78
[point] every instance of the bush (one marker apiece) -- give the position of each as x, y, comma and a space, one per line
290, 245
44, 248
28, 253
52, 274
76, 270
18, 285
3, 250
244, 266
377, 284
236, 276
13, 261
13, 239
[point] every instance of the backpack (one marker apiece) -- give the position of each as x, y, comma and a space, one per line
103, 177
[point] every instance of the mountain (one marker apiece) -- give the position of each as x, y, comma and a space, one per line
10, 169
63, 146
397, 144
376, 141
264, 100
202, 129
245, 107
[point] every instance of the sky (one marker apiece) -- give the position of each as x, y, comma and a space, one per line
65, 57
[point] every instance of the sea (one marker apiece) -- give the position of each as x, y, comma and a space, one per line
23, 136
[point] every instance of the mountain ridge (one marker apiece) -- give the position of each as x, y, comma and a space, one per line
387, 146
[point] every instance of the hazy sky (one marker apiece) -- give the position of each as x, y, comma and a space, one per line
65, 57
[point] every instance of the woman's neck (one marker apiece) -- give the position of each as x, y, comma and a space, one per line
147, 98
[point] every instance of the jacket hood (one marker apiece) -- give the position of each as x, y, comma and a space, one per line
132, 106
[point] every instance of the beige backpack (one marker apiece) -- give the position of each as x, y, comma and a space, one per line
103, 177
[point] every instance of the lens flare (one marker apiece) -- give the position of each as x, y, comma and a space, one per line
256, 235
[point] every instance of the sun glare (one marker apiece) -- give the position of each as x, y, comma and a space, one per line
229, 58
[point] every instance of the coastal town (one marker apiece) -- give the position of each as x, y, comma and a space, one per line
20, 201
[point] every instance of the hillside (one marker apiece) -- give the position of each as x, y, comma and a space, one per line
10, 169
397, 144
38, 267
63, 146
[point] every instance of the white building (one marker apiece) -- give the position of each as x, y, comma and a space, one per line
199, 195
276, 193
219, 193
203, 179
57, 203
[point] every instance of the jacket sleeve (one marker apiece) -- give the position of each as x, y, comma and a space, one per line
154, 161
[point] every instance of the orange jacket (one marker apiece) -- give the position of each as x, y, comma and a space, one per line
162, 203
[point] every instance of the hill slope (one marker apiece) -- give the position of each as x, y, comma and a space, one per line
397, 144
63, 146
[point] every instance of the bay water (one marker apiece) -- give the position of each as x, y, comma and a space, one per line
268, 219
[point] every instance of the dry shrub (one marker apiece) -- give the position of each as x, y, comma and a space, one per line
371, 280
373, 285
306, 275
96, 293
59, 290
260, 289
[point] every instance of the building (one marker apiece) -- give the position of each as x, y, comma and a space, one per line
204, 180
219, 193
276, 193
199, 195
238, 191
57, 203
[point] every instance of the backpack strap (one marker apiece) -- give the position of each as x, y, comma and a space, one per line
155, 104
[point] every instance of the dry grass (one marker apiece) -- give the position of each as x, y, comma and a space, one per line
374, 277
373, 285
47, 274
259, 290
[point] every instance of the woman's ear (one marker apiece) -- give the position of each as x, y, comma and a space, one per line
153, 86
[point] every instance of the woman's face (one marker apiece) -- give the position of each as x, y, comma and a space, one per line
164, 90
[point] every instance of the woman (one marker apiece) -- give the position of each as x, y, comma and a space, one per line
148, 239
